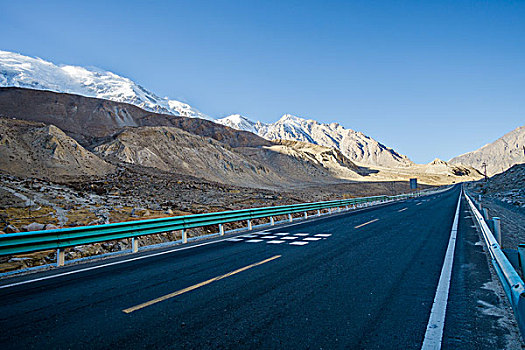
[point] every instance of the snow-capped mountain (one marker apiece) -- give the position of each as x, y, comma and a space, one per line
35, 73
355, 145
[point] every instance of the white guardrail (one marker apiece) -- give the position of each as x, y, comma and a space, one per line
511, 281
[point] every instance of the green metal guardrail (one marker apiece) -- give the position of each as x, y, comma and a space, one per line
28, 242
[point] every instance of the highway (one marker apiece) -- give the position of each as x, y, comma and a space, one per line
365, 279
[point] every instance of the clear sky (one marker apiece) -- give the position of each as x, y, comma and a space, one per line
427, 78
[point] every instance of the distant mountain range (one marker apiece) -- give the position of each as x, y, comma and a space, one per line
34, 73
355, 145
499, 155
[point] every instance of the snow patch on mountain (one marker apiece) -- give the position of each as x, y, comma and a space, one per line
35, 73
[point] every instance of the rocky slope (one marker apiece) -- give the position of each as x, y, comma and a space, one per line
32, 149
355, 145
174, 150
508, 186
35, 73
499, 155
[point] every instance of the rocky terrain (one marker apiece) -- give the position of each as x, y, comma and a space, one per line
499, 155
355, 145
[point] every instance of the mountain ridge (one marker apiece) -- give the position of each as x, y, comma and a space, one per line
355, 145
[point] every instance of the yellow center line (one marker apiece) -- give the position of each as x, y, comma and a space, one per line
195, 286
399, 211
366, 223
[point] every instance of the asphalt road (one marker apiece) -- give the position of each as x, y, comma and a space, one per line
363, 279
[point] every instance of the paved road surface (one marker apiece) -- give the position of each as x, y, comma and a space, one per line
363, 279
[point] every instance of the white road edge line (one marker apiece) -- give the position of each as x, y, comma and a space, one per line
436, 321
166, 252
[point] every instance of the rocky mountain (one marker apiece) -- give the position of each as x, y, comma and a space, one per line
355, 145
35, 73
499, 155
30, 149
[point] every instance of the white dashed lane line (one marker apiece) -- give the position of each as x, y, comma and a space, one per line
399, 211
312, 238
275, 242
290, 237
298, 243
254, 240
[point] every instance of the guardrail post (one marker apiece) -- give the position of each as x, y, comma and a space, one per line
184, 236
134, 245
221, 230
305, 215
61, 257
318, 212
521, 256
290, 217
272, 221
249, 225
486, 214
497, 229
329, 211
347, 208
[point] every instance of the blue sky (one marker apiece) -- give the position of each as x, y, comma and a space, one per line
428, 78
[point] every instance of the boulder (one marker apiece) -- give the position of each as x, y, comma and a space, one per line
51, 227
34, 226
11, 229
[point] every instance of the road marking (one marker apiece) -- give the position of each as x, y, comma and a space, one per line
302, 234
282, 234
323, 235
419, 203
312, 238
399, 211
289, 237
269, 237
298, 243
254, 240
235, 240
195, 286
436, 321
366, 223
249, 236
275, 242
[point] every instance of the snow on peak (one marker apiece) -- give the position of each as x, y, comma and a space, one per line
35, 73
239, 122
